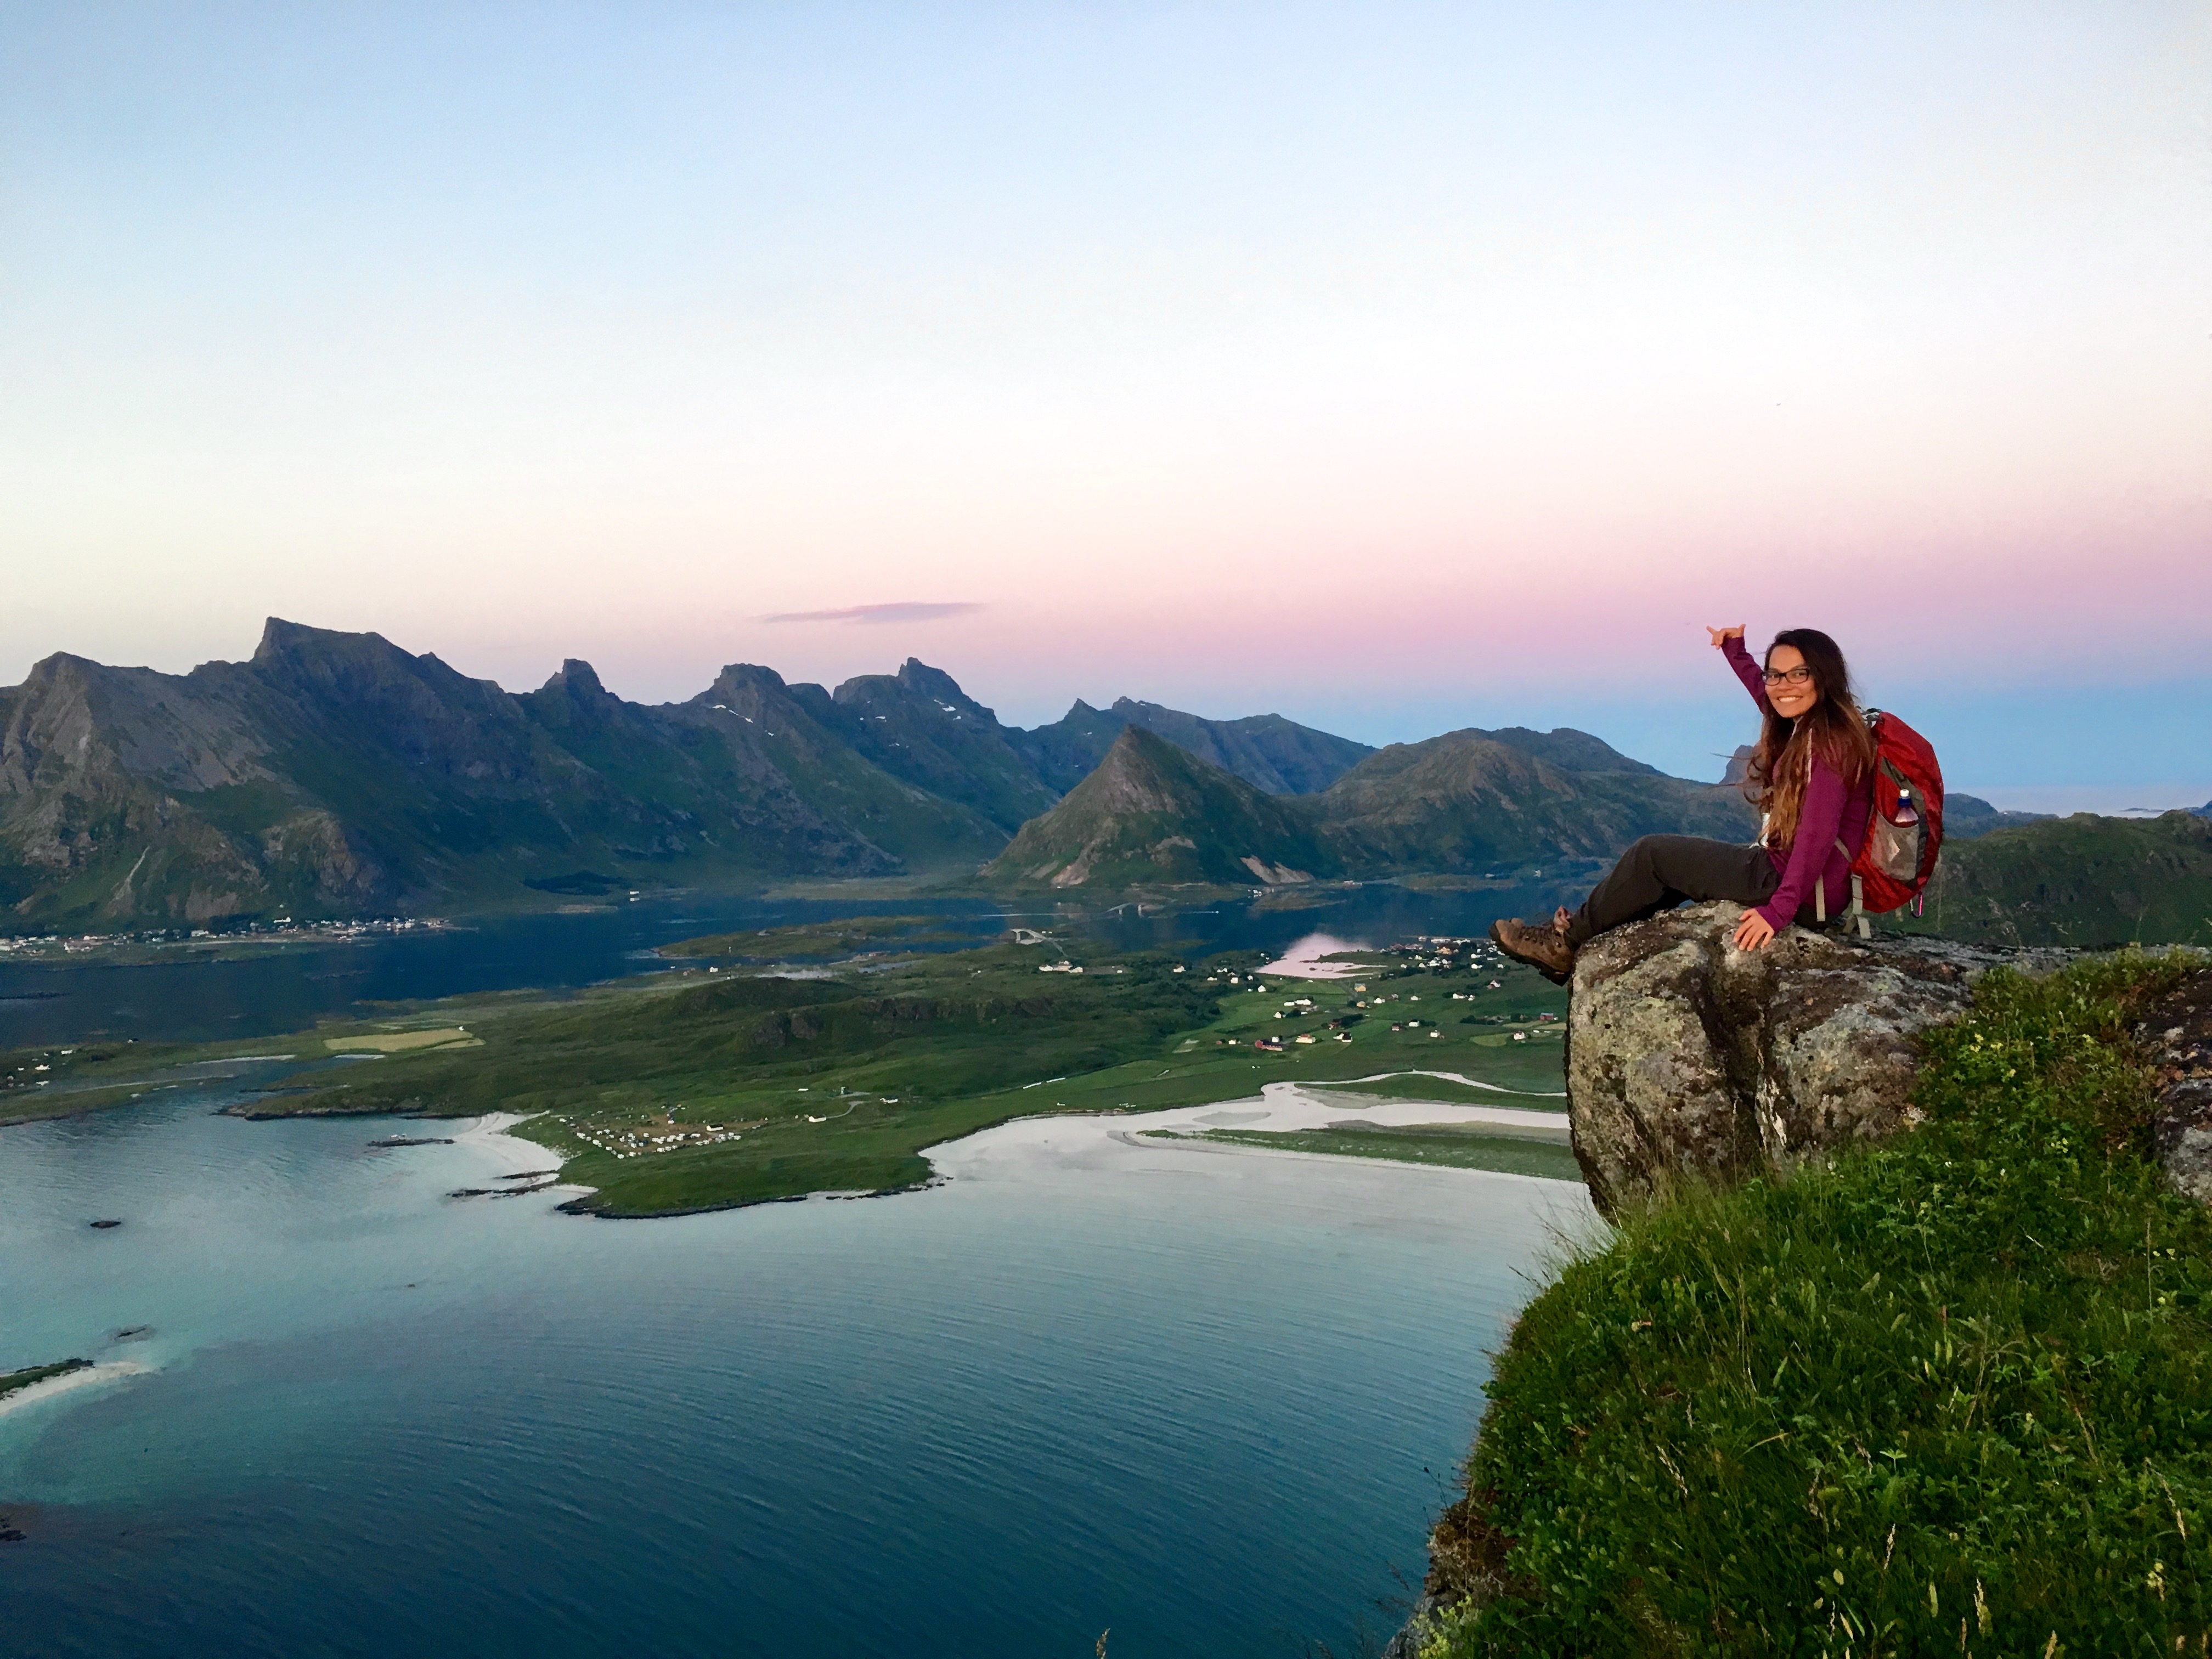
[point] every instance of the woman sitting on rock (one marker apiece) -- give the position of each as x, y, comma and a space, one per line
1813, 777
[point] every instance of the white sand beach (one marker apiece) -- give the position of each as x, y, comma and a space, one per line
69, 1382
1303, 959
488, 1134
503, 1154
1032, 1149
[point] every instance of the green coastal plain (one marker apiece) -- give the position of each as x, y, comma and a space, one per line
705, 1088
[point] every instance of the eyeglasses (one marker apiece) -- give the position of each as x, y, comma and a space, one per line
1801, 675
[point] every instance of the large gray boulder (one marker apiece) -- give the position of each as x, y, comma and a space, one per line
2176, 1035
1687, 1057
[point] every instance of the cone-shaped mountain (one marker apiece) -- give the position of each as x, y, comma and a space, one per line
1154, 812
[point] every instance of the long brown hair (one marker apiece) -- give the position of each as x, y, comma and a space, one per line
1833, 729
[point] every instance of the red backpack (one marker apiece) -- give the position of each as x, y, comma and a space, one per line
1903, 832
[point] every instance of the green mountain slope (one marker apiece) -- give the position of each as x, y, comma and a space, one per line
918, 725
1153, 812
125, 794
1468, 801
337, 775
2083, 880
799, 740
1942, 1395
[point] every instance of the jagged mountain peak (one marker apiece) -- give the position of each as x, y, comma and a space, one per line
917, 682
743, 679
281, 640
327, 667
1276, 754
1131, 707
574, 697
62, 669
918, 676
576, 677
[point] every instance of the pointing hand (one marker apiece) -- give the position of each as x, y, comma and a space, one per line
1723, 635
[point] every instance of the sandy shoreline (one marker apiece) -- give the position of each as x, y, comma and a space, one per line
488, 1134
501, 1151
1305, 959
68, 1382
1021, 1148
1065, 1139
1454, 1077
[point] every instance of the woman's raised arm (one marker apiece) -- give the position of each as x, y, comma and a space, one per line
1728, 641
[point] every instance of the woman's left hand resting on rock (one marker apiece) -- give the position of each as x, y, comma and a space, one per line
1752, 932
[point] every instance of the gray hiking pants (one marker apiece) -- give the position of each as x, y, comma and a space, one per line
1661, 872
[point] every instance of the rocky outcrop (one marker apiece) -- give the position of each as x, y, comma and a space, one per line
1688, 1057
1467, 1565
2177, 1034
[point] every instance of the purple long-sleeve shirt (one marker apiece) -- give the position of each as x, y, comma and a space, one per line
1832, 812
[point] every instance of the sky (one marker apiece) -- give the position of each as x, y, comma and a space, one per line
1395, 367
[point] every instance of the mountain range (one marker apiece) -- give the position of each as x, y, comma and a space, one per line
336, 775
1467, 802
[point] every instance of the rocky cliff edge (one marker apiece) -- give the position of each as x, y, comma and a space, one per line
1688, 1057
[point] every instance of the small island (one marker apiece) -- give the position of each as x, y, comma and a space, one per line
15, 1381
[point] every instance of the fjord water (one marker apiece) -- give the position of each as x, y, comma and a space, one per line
1212, 1406
288, 989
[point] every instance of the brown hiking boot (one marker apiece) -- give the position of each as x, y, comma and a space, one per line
1543, 947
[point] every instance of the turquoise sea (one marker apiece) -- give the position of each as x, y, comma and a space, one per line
1209, 1402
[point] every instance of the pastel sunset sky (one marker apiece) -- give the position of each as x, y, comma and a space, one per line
1394, 367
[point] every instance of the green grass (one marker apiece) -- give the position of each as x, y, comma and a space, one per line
896, 1061
33, 1108
1452, 1148
62, 1080
11, 1382
893, 1061
2094, 882
1949, 1395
